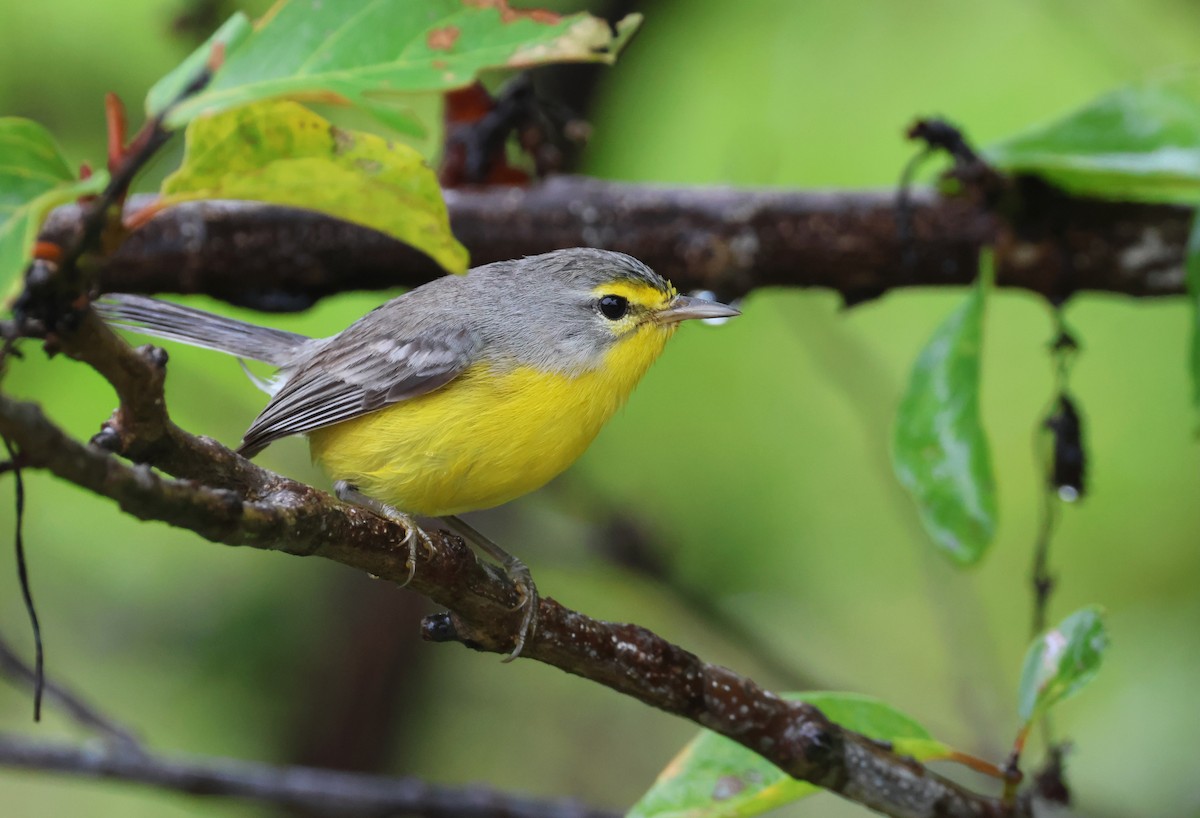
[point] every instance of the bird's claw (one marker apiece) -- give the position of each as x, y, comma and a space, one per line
412, 531
528, 600
427, 541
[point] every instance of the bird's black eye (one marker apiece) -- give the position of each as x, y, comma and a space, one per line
614, 307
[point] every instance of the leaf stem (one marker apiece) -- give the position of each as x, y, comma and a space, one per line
50, 299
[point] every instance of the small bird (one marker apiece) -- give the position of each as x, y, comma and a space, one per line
461, 394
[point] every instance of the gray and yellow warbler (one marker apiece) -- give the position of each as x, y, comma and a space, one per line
461, 394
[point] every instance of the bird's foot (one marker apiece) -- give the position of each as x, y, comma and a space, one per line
522, 580
349, 493
517, 573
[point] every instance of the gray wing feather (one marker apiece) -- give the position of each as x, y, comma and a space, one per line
352, 376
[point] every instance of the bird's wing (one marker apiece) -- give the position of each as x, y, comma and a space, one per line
352, 376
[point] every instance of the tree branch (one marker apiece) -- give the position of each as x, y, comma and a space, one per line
723, 239
314, 791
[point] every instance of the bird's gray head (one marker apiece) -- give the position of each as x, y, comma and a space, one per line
566, 310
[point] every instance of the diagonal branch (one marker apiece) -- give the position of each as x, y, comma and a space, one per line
728, 240
312, 791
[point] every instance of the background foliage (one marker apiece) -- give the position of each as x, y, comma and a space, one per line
789, 514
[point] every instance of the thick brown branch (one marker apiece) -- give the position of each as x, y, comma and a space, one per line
294, 518
723, 239
313, 791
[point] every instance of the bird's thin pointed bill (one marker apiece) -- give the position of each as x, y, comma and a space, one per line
684, 307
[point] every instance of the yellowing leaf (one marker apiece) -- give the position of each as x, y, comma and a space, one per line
284, 154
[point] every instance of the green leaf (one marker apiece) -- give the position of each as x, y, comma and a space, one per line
939, 449
715, 777
1193, 289
1061, 661
283, 153
34, 177
230, 35
1138, 142
385, 49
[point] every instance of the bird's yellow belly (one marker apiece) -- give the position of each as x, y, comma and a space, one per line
480, 441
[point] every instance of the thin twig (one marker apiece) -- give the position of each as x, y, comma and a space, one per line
1043, 586
66, 700
1063, 462
39, 653
314, 791
1040, 578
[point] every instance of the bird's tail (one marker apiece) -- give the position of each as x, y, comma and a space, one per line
163, 319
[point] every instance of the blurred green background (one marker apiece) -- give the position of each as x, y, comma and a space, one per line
776, 501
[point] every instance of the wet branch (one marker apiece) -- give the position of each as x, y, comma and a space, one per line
731, 241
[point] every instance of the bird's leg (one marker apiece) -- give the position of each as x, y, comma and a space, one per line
517, 573
349, 493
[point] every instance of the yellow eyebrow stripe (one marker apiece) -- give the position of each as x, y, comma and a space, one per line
636, 292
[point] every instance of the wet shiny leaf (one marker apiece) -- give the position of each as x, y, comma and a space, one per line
1061, 661
1141, 141
939, 449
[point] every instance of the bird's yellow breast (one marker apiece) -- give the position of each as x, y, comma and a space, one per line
492, 434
